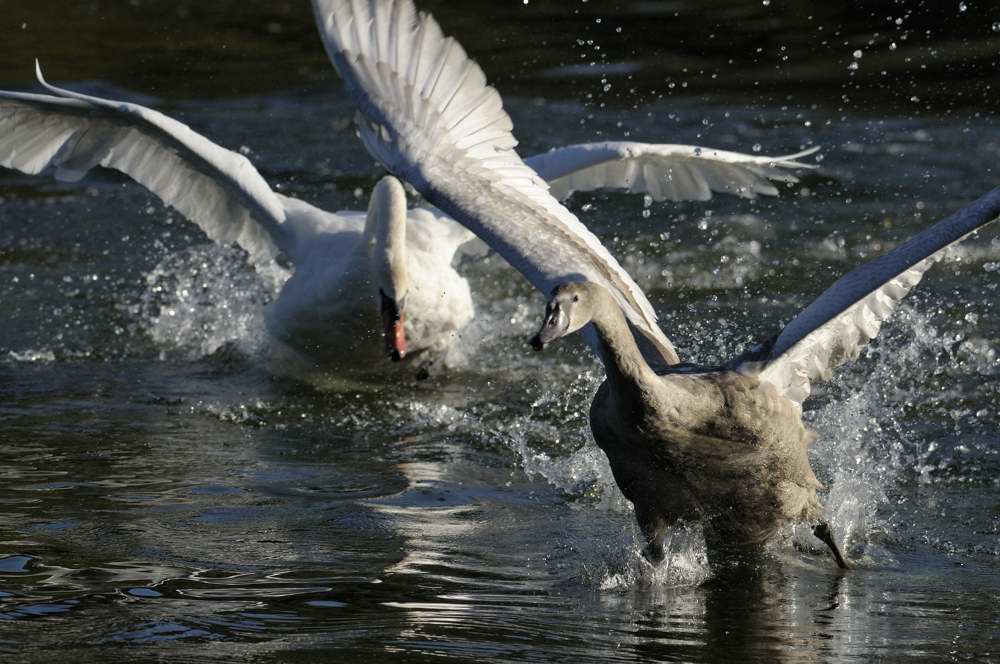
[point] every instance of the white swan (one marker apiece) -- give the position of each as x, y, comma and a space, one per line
727, 445
348, 265
431, 119
346, 271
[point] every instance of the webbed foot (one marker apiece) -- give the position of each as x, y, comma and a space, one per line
823, 532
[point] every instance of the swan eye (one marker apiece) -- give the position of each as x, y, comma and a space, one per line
576, 298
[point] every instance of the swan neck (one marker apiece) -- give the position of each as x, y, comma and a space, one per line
627, 370
385, 239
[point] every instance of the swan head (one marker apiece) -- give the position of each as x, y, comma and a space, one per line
568, 310
386, 233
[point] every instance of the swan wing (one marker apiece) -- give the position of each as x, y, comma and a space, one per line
841, 321
68, 134
664, 172
431, 119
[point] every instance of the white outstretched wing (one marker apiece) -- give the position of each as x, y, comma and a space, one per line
432, 120
838, 324
68, 134
664, 172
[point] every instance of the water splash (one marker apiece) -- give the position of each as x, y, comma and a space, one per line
866, 446
619, 566
206, 297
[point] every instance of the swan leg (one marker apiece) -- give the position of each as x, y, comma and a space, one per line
823, 532
653, 529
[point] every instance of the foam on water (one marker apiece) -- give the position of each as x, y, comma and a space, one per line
31, 356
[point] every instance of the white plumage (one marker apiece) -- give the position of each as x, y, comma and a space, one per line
665, 172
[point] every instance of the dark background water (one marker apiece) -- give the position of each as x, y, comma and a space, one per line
163, 496
943, 52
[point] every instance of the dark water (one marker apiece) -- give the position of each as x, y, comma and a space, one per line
163, 496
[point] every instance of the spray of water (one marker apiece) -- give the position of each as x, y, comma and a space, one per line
206, 297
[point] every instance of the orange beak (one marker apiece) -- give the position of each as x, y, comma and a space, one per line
393, 329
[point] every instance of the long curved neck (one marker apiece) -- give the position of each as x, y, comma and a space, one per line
385, 238
627, 370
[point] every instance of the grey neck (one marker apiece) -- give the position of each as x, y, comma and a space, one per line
629, 374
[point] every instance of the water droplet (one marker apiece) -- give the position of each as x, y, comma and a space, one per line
996, 27
757, 147
962, 6
857, 54
766, 3
892, 46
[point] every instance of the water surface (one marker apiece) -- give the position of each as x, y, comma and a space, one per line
165, 495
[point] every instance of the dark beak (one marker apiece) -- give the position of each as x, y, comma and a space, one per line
552, 328
392, 329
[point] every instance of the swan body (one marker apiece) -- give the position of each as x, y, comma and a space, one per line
326, 308
727, 445
690, 443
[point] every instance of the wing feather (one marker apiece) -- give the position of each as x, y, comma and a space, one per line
841, 321
665, 172
455, 147
69, 134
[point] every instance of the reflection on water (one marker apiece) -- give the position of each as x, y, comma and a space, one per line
160, 489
